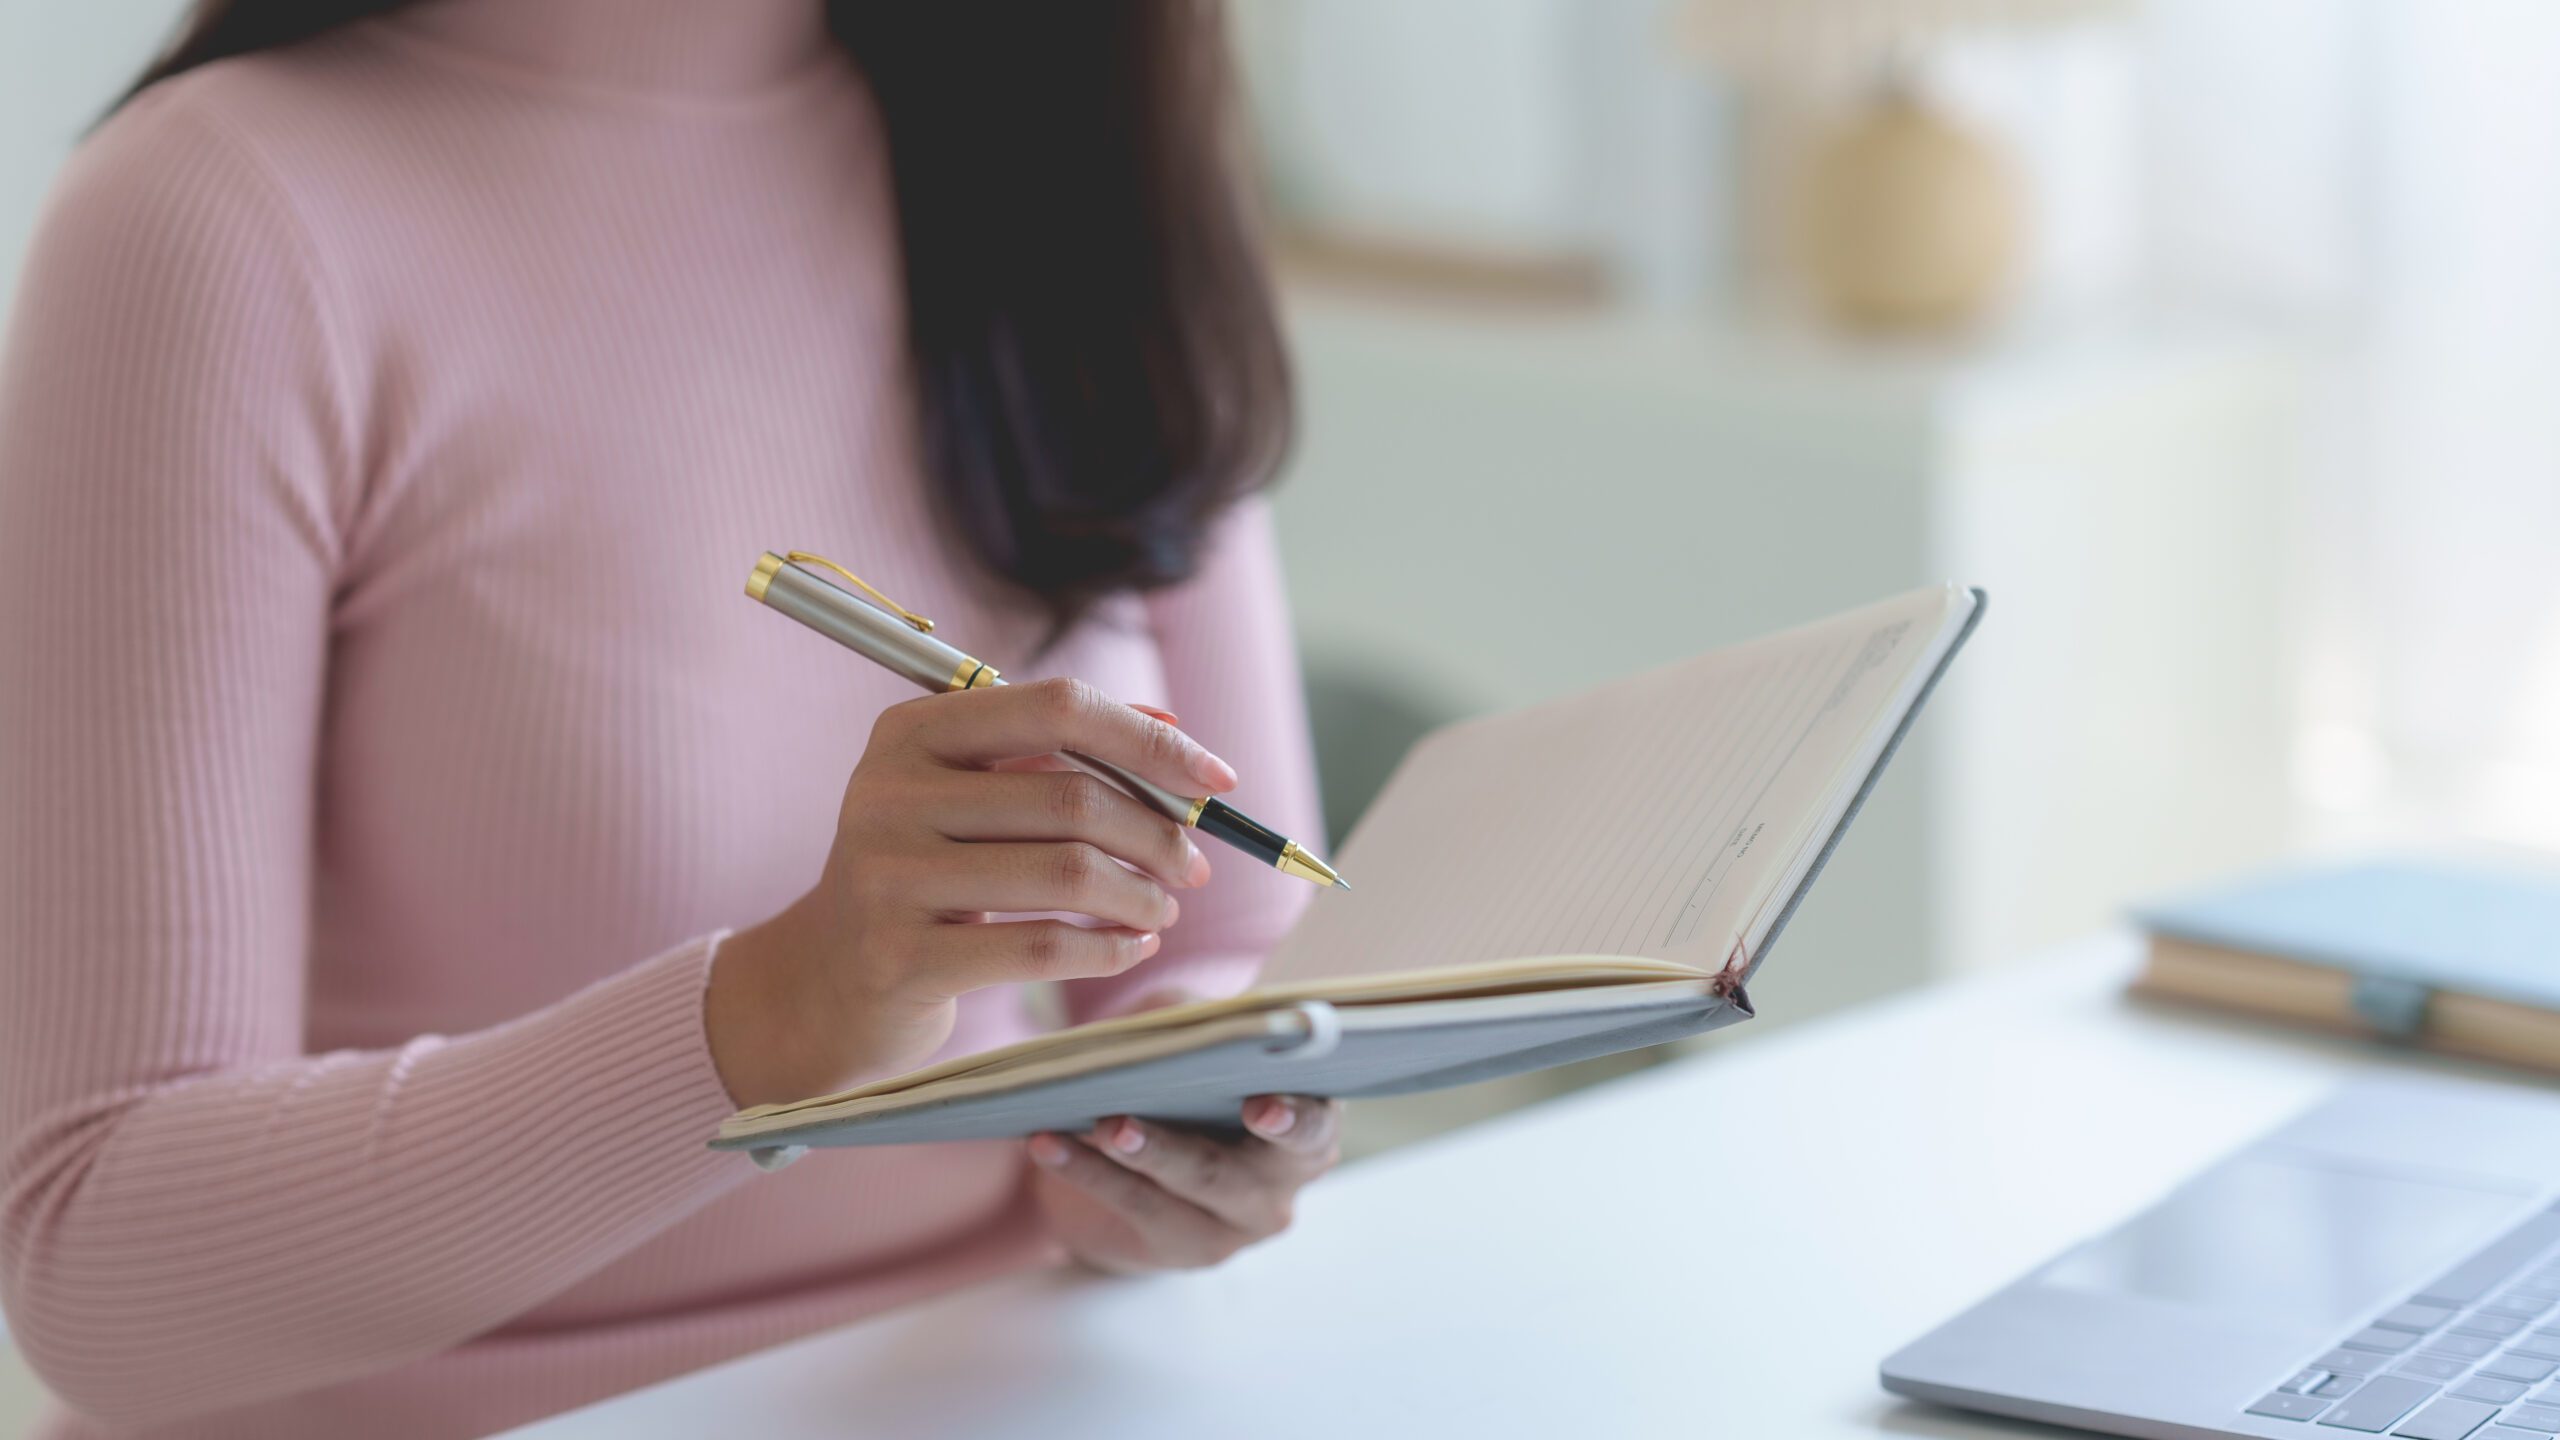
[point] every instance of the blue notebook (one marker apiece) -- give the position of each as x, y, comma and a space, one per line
2464, 957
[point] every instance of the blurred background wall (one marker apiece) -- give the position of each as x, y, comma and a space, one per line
2212, 336
2208, 335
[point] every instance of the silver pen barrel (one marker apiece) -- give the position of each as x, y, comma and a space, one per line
870, 632
887, 641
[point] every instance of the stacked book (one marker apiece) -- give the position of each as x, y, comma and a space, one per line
2460, 959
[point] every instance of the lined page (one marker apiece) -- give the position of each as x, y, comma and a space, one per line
1651, 817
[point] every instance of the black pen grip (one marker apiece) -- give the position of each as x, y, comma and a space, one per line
1241, 830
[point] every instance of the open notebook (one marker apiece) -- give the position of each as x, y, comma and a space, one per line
1589, 875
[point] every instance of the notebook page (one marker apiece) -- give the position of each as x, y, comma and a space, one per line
1650, 817
1778, 896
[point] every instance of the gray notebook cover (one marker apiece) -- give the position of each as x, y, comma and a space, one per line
1354, 1052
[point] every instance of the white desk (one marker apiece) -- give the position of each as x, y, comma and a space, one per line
1722, 1247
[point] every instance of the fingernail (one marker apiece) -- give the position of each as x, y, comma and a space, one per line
1172, 912
1149, 943
1198, 874
1279, 1117
1048, 1151
1215, 773
1124, 1135
1153, 713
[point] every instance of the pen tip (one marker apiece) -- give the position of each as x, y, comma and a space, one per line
1295, 861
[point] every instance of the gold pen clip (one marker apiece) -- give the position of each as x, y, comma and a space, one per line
803, 557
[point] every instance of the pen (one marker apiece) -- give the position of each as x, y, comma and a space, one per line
905, 646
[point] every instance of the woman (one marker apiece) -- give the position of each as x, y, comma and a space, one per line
415, 843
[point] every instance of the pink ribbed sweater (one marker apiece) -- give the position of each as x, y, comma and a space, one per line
387, 427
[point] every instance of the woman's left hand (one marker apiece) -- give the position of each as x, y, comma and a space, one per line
1133, 1196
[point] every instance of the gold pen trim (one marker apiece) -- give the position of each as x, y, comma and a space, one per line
1294, 861
1192, 820
803, 557
972, 675
763, 577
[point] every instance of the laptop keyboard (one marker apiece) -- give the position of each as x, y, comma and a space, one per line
2473, 1356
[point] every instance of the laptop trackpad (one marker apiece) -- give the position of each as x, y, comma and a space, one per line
2291, 1237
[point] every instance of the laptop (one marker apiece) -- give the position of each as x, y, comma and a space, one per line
2387, 1263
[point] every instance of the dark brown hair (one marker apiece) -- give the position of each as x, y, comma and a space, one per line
1096, 355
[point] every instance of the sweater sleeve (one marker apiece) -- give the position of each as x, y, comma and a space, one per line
194, 1213
1231, 673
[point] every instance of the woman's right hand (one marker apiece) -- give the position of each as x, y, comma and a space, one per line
940, 829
